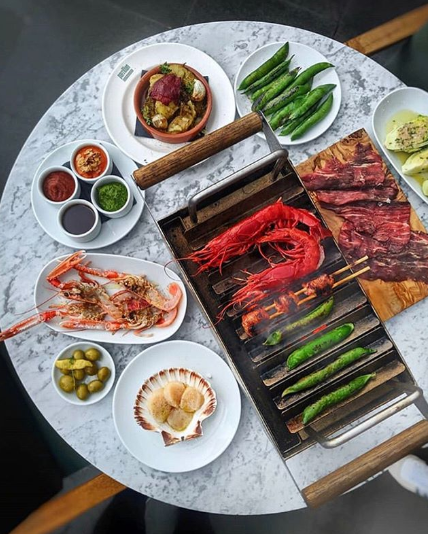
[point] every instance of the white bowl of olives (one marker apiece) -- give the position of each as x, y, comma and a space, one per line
83, 373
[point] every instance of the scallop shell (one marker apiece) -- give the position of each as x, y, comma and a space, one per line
170, 436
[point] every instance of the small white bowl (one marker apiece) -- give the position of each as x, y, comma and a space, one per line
91, 233
57, 168
105, 361
125, 209
96, 143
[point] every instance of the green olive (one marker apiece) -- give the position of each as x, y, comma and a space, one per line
78, 355
92, 371
104, 374
92, 354
82, 391
95, 385
66, 383
79, 374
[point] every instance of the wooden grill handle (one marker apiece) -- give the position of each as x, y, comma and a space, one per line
201, 149
366, 465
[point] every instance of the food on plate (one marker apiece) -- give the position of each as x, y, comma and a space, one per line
408, 137
174, 402
416, 163
58, 186
137, 305
319, 344
90, 161
78, 366
176, 101
266, 67
112, 196
312, 380
78, 219
322, 311
287, 96
335, 397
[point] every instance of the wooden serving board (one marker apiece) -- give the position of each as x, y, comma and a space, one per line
388, 298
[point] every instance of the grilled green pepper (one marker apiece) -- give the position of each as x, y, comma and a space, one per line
269, 77
319, 344
312, 98
290, 126
320, 113
320, 312
267, 66
334, 367
275, 88
286, 97
310, 72
288, 109
339, 395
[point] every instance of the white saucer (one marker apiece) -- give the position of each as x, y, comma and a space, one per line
118, 107
218, 430
304, 57
112, 230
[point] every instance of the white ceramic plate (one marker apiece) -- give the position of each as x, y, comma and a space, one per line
304, 57
105, 360
406, 98
112, 230
218, 430
156, 273
118, 106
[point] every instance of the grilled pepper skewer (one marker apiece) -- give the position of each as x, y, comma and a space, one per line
320, 312
334, 367
319, 344
339, 395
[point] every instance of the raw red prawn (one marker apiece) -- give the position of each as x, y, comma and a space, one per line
80, 311
139, 286
242, 236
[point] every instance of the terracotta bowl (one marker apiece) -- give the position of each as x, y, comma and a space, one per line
140, 94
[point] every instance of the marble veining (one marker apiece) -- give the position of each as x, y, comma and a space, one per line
250, 477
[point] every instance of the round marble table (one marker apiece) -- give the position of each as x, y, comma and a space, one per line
250, 477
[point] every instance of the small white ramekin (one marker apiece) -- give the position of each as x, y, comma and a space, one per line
125, 209
96, 143
57, 168
90, 234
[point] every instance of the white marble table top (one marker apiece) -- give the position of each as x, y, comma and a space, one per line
250, 477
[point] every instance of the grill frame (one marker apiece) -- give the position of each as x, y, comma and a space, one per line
262, 179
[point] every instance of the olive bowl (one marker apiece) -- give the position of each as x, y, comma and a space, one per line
105, 360
140, 95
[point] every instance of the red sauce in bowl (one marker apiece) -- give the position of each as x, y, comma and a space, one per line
90, 161
58, 186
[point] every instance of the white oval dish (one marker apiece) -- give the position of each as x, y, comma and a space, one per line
92, 233
96, 143
104, 361
404, 98
112, 230
56, 168
118, 97
125, 209
219, 429
304, 57
156, 273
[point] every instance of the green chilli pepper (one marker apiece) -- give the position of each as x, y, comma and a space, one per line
334, 367
269, 77
312, 98
267, 66
310, 72
339, 395
283, 114
288, 109
286, 97
320, 312
317, 116
290, 126
276, 87
319, 344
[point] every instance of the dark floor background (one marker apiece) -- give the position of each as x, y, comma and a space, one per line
45, 45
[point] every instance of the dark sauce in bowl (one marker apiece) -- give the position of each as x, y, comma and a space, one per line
78, 219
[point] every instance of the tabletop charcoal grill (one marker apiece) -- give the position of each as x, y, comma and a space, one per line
260, 369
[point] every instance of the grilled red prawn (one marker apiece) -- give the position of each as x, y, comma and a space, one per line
242, 236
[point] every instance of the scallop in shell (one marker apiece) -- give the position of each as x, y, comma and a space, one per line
191, 379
